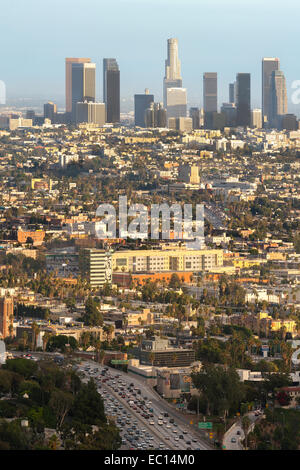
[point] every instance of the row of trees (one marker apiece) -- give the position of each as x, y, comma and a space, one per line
53, 397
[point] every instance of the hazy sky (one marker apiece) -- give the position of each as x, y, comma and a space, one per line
224, 36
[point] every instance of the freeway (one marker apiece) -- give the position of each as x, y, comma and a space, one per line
165, 429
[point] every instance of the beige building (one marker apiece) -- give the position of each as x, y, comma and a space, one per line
6, 316
145, 317
90, 112
95, 266
256, 118
189, 174
179, 259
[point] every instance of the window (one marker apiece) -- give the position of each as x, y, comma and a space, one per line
121, 262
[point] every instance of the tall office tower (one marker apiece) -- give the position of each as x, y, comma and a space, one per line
6, 316
30, 114
256, 118
160, 115
278, 97
289, 122
231, 93
156, 115
269, 65
210, 97
111, 89
182, 124
150, 116
95, 266
176, 102
189, 174
141, 104
89, 112
229, 111
69, 62
172, 69
50, 111
243, 104
83, 84
195, 114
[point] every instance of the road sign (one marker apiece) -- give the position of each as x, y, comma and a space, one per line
205, 425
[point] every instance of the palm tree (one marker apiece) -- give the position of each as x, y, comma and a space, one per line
174, 358
101, 356
110, 331
246, 423
47, 335
152, 358
11, 328
125, 324
25, 339
35, 331
97, 348
286, 353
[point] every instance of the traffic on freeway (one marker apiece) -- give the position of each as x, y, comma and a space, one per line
142, 418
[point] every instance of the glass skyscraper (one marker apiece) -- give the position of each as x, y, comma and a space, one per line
83, 84
243, 105
111, 89
269, 65
210, 97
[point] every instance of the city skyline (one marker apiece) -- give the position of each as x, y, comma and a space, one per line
46, 79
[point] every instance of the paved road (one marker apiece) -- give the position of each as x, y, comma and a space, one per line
236, 433
232, 435
165, 434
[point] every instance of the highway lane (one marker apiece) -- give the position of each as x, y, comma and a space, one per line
161, 406
132, 415
168, 432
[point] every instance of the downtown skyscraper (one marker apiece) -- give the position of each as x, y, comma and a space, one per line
69, 61
278, 98
210, 97
174, 96
111, 90
243, 97
172, 77
142, 103
269, 65
83, 84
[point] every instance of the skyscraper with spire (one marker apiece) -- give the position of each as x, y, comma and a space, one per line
175, 98
172, 68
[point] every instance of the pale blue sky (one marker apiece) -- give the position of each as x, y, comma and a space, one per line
224, 36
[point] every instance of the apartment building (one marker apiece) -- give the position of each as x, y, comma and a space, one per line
95, 266
166, 260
